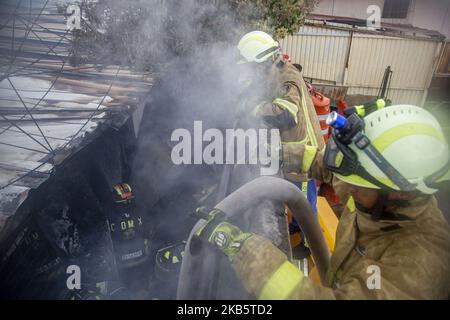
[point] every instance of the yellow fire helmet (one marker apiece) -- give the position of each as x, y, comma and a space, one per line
257, 46
412, 141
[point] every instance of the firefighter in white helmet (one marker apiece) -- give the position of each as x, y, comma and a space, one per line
282, 100
392, 162
285, 103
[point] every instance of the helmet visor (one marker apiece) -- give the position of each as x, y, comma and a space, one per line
267, 53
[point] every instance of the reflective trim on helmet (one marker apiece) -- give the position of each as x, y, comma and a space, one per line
285, 104
254, 37
392, 135
282, 283
361, 182
267, 52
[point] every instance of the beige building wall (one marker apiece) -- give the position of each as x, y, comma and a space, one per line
427, 14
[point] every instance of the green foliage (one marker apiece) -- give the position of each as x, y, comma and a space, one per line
278, 17
146, 34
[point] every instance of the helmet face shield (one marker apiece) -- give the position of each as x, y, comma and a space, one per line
271, 52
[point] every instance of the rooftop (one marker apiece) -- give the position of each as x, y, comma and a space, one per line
360, 25
48, 104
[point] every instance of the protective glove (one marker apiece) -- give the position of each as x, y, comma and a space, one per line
223, 235
279, 114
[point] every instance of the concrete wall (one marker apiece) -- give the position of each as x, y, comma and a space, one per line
427, 14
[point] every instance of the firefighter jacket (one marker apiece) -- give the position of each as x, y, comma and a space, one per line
404, 257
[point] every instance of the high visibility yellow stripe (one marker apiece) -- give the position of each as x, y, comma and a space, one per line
358, 181
308, 157
291, 107
309, 128
256, 38
351, 204
390, 136
287, 105
305, 188
282, 283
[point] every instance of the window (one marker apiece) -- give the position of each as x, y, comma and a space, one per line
395, 9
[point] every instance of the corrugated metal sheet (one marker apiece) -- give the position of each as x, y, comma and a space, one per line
411, 61
322, 53
47, 105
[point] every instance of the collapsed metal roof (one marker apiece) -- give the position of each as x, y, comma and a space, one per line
48, 105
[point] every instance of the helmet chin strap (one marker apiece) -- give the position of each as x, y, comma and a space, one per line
380, 209
377, 211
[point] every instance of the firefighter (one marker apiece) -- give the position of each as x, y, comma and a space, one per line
127, 228
391, 229
281, 99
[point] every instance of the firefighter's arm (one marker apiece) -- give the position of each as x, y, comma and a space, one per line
299, 158
267, 274
263, 268
283, 111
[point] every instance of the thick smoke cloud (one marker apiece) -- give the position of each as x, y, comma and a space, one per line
199, 79
193, 43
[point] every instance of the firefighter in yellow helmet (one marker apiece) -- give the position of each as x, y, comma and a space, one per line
285, 102
281, 99
391, 162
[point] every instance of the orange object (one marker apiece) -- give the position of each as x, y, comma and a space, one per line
328, 192
341, 105
322, 106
